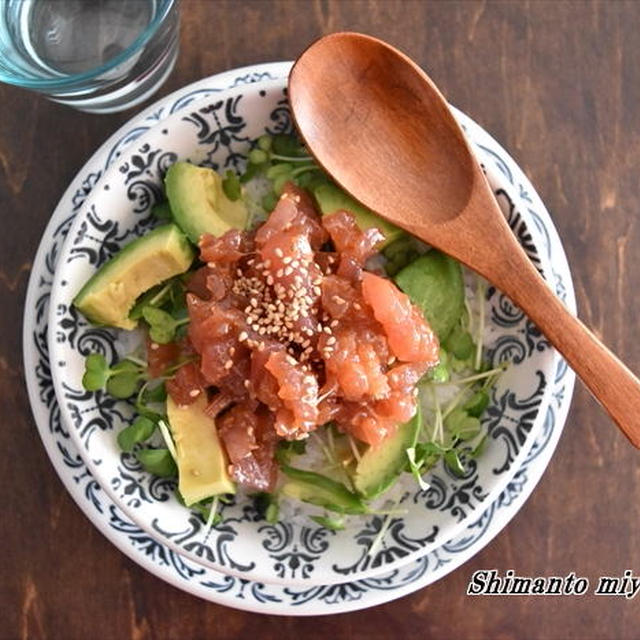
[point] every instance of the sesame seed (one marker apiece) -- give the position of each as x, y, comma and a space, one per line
228, 364
267, 263
154, 346
232, 351
338, 300
279, 273
317, 291
288, 271
194, 393
331, 340
243, 336
327, 330
356, 306
287, 260
279, 252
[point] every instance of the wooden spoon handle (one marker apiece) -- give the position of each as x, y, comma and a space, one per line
609, 380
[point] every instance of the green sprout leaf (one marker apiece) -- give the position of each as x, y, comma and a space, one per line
452, 460
333, 523
265, 142
269, 201
121, 380
155, 394
162, 325
266, 504
461, 425
139, 431
162, 211
280, 169
159, 462
231, 185
96, 372
415, 466
477, 404
440, 373
272, 513
258, 156
287, 145
460, 343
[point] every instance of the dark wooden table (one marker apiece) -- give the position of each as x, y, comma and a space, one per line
558, 83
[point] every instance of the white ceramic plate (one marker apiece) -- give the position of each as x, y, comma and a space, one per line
217, 129
209, 584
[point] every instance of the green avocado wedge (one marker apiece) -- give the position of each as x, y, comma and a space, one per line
317, 489
202, 462
198, 202
434, 282
379, 467
111, 292
331, 198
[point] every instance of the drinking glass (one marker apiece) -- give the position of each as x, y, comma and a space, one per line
98, 56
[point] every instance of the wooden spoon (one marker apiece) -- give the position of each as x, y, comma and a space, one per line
379, 126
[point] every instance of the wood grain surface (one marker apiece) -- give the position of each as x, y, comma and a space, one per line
558, 84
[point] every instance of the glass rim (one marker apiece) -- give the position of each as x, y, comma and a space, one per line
70, 80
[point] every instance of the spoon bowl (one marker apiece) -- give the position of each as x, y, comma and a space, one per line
378, 125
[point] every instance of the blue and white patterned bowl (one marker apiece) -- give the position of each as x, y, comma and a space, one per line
216, 130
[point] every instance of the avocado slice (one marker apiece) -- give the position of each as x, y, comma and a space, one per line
202, 462
111, 292
317, 489
331, 198
379, 467
434, 282
198, 202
